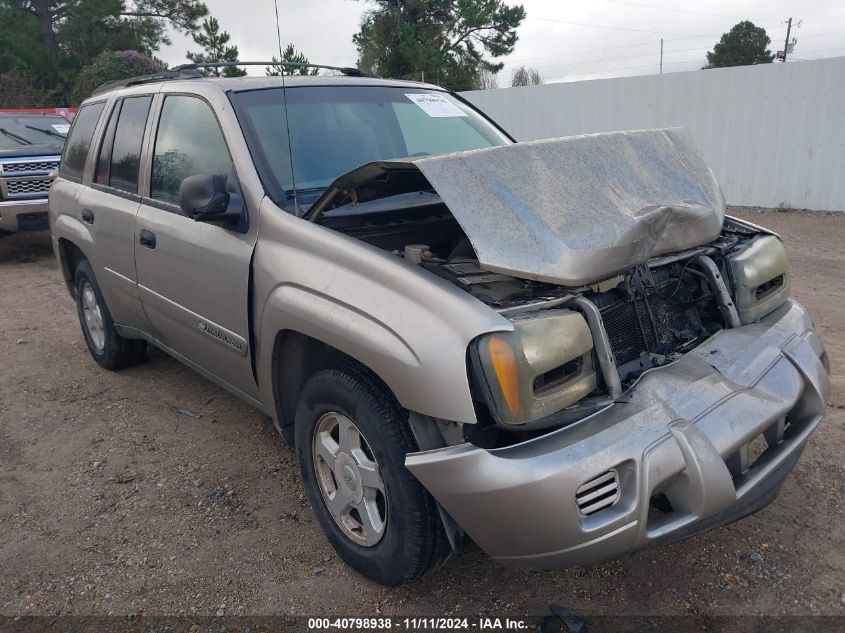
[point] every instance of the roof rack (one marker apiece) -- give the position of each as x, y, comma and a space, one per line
192, 71
346, 70
176, 73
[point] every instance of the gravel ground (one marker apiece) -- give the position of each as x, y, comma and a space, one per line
112, 502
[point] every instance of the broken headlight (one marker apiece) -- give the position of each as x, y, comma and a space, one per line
760, 272
543, 366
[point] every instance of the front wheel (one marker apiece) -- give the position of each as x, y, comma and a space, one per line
351, 441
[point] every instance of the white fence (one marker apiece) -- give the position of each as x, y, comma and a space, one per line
774, 134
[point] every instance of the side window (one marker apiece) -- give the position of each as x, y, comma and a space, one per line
101, 173
188, 142
128, 136
79, 139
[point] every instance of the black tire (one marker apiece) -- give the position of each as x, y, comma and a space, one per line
413, 540
117, 352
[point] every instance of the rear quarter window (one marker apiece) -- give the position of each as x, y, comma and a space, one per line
79, 140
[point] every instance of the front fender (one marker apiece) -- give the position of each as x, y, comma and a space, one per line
406, 325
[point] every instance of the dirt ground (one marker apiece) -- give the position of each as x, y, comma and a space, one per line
111, 502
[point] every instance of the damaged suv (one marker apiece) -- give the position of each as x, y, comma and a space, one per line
562, 350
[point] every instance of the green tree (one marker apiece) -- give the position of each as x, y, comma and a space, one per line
745, 44
293, 56
50, 41
21, 91
111, 66
215, 44
443, 40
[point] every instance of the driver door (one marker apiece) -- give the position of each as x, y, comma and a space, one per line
193, 277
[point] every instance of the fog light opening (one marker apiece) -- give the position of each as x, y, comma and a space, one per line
767, 288
558, 376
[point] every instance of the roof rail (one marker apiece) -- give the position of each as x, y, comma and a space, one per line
346, 70
166, 75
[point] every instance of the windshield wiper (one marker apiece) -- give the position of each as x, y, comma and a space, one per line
294, 192
15, 137
45, 131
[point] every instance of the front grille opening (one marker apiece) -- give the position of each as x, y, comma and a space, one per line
744, 459
558, 376
767, 288
30, 167
598, 494
20, 188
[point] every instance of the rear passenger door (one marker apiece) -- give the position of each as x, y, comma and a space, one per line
193, 277
110, 203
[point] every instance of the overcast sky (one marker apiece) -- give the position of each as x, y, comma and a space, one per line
565, 41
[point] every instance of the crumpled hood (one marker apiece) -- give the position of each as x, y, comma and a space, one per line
571, 210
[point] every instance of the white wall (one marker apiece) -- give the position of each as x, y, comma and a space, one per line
774, 134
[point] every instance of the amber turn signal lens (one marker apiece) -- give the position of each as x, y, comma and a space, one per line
504, 364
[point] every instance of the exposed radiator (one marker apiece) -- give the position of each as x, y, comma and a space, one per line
657, 322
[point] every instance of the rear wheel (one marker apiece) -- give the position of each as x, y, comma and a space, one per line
106, 346
351, 441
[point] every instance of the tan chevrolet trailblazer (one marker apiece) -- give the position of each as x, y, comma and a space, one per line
562, 350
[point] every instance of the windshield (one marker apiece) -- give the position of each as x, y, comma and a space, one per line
334, 129
17, 131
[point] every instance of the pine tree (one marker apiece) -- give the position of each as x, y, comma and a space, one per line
293, 56
215, 49
443, 40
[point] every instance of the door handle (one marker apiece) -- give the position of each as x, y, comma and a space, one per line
87, 216
147, 238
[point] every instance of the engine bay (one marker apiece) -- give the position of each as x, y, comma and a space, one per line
652, 313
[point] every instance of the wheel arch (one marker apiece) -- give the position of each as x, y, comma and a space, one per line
70, 254
296, 357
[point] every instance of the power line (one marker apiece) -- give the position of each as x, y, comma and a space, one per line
591, 50
823, 50
613, 48
653, 6
654, 65
619, 28
665, 52
820, 34
610, 59
595, 50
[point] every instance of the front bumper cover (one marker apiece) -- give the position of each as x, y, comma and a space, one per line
677, 435
24, 215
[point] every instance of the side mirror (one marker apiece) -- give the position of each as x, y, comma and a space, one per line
206, 198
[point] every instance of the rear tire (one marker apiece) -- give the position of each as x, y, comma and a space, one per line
107, 347
403, 538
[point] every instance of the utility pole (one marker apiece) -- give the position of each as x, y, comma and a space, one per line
786, 43
661, 55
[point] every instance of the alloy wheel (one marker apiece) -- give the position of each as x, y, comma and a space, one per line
93, 316
349, 479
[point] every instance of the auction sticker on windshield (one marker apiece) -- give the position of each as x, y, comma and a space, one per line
61, 128
435, 105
